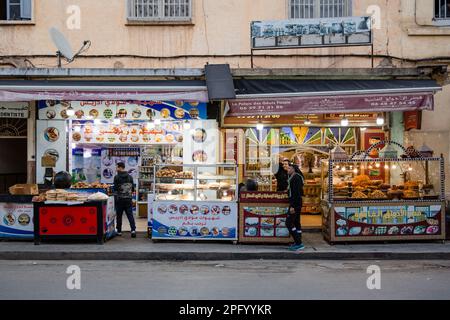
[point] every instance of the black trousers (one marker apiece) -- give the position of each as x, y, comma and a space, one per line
293, 224
127, 207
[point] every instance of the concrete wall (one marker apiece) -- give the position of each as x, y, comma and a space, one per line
219, 33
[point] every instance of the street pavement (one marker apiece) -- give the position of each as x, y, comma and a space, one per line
142, 248
218, 280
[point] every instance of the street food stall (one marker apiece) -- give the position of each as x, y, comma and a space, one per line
68, 215
407, 204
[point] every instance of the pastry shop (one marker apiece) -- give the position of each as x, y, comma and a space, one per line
315, 122
396, 195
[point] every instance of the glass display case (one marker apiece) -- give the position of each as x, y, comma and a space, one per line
196, 182
195, 201
383, 199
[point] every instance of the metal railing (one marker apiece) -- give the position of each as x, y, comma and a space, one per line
442, 9
159, 10
306, 9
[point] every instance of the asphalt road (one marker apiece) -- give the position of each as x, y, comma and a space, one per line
224, 280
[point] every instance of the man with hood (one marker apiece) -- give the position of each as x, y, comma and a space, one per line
124, 188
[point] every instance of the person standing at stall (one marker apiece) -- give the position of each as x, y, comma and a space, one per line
296, 181
282, 175
123, 189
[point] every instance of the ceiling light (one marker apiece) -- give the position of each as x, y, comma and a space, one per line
259, 126
70, 112
380, 120
116, 121
157, 122
186, 125
150, 125
97, 121
344, 121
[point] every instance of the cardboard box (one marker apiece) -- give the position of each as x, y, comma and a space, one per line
24, 189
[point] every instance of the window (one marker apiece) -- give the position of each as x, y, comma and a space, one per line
159, 10
13, 10
442, 9
305, 9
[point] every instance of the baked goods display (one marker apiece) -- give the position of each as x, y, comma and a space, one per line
67, 196
359, 195
166, 173
94, 185
377, 194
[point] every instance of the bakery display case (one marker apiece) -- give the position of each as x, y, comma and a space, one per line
197, 201
387, 199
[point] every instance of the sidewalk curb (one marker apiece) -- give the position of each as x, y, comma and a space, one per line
218, 256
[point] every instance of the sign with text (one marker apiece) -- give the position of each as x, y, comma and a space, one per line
14, 110
331, 104
297, 33
193, 220
389, 220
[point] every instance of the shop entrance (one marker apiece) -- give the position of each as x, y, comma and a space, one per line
13, 152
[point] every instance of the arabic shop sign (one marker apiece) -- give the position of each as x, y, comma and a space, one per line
14, 110
297, 33
331, 104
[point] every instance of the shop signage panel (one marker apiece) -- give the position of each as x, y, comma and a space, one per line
51, 139
14, 110
331, 104
388, 220
16, 220
194, 220
78, 95
125, 110
298, 33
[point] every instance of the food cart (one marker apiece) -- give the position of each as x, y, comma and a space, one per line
64, 215
408, 204
195, 202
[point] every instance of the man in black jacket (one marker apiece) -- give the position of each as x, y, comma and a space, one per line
282, 175
124, 187
295, 191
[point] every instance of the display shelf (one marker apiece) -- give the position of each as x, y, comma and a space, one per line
213, 191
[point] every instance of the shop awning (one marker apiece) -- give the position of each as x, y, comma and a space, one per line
330, 96
219, 81
169, 90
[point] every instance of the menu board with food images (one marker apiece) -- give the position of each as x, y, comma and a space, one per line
87, 132
50, 140
264, 223
421, 220
86, 169
109, 163
194, 220
126, 110
16, 220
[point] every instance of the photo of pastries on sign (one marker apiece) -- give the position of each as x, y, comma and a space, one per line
199, 135
199, 156
93, 113
51, 134
179, 113
51, 114
165, 113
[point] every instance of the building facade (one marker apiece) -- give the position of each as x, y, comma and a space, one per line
188, 34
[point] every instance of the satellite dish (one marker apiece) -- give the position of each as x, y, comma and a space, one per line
64, 48
62, 44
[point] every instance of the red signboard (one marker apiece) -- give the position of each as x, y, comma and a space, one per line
331, 104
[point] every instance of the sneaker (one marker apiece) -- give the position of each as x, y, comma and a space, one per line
133, 234
297, 247
119, 233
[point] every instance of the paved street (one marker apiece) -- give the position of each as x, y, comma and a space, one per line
252, 279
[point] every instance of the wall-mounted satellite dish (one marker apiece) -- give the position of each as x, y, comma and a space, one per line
64, 47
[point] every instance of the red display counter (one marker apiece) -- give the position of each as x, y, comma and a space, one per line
63, 221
